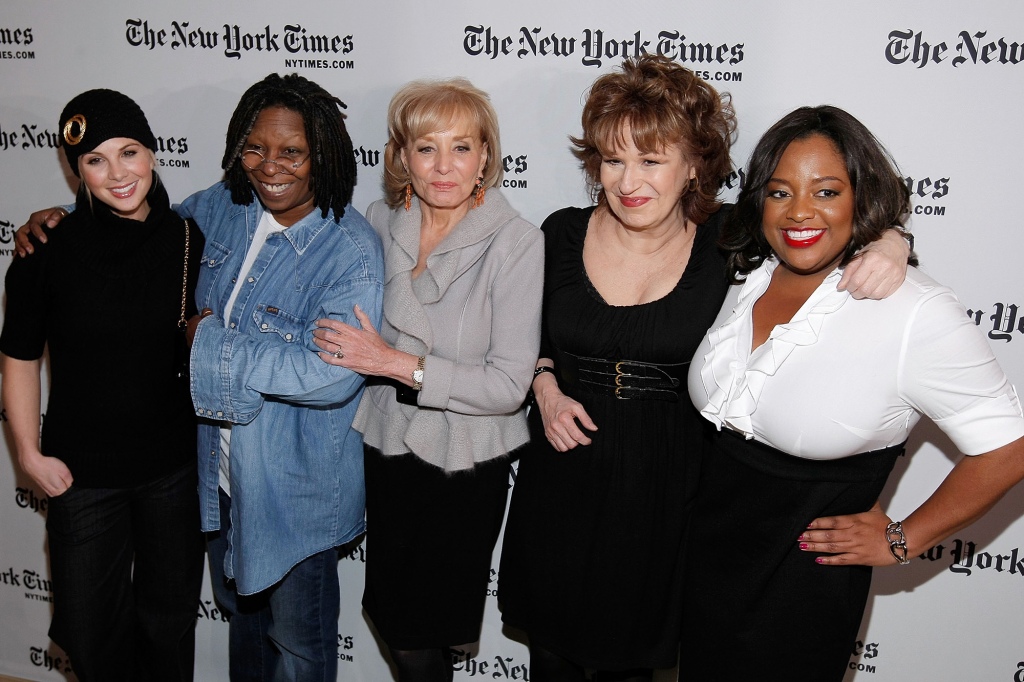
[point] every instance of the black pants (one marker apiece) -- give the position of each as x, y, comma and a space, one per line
127, 568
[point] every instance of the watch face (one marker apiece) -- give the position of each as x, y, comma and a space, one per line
417, 376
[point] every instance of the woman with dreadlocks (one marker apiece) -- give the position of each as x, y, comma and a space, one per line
281, 471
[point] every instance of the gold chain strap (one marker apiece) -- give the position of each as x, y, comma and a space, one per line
182, 322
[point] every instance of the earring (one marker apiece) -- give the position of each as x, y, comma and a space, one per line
693, 184
408, 196
478, 199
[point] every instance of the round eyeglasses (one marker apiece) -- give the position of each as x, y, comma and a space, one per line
252, 160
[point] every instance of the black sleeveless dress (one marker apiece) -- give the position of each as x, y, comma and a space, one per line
592, 560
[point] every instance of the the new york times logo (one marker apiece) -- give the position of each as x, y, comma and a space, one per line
1005, 318
233, 40
27, 498
925, 190
7, 230
27, 136
866, 652
346, 643
494, 668
42, 658
366, 157
965, 559
31, 136
37, 588
16, 38
514, 166
974, 48
593, 46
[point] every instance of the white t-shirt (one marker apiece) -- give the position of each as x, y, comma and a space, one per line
267, 226
846, 376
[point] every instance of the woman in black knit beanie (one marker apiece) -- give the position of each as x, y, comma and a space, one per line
109, 294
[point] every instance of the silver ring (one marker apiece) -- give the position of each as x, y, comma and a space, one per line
338, 354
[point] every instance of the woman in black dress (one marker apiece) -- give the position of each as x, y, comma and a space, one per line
592, 561
592, 555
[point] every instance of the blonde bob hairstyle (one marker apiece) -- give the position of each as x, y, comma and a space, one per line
428, 106
664, 103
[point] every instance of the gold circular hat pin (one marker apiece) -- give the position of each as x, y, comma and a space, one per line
69, 136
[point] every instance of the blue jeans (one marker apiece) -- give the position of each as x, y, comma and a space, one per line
288, 632
127, 569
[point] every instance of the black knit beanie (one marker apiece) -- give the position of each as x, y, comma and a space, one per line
95, 116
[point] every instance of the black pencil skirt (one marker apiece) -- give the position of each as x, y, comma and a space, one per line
429, 538
753, 601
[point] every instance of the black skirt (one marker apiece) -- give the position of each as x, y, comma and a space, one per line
429, 540
752, 599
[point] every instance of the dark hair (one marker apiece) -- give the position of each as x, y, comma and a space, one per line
881, 199
332, 161
664, 103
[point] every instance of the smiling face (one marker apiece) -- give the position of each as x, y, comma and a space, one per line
809, 207
444, 166
119, 172
643, 188
280, 133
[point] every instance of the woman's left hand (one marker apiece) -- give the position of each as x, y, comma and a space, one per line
879, 269
853, 539
361, 350
193, 324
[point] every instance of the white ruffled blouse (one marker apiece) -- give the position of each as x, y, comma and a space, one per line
846, 376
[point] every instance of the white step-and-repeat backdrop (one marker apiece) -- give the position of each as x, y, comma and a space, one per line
939, 82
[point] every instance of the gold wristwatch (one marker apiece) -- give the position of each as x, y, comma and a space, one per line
417, 374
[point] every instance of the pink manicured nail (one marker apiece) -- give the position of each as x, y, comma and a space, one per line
819, 560
803, 545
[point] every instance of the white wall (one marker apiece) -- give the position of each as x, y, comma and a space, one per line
940, 83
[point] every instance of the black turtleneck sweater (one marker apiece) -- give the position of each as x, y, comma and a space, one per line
104, 293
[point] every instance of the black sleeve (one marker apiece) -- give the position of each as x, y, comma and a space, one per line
24, 331
553, 228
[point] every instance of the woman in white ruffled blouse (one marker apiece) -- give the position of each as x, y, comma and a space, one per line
814, 394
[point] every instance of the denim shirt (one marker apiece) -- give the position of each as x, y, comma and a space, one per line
296, 464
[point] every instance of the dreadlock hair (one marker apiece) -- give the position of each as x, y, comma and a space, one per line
332, 160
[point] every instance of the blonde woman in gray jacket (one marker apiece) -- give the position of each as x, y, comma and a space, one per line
450, 369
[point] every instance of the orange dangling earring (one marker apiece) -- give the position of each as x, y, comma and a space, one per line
408, 196
478, 199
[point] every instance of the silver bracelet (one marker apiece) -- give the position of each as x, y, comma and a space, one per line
897, 542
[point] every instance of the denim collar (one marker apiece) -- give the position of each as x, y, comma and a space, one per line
300, 235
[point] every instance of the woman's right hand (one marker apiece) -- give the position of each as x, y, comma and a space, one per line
49, 473
37, 222
560, 413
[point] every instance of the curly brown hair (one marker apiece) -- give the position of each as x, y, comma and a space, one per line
663, 103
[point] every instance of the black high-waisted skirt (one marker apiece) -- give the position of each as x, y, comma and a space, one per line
753, 601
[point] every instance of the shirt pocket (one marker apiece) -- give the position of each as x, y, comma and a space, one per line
271, 319
211, 268
215, 254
